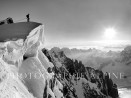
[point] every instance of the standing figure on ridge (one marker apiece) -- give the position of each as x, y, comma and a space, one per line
28, 17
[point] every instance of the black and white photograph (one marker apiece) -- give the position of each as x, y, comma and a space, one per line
65, 48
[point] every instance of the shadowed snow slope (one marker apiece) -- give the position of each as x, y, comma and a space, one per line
16, 30
23, 66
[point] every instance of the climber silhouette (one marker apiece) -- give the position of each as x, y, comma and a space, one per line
28, 17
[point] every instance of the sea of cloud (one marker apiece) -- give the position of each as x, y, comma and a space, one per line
124, 93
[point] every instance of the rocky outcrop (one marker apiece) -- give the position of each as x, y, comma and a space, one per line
126, 55
6, 21
80, 81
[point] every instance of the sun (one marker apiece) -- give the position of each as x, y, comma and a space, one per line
110, 33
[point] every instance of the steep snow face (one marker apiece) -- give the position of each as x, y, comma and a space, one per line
27, 78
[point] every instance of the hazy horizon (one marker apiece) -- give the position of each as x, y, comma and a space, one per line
74, 22
94, 44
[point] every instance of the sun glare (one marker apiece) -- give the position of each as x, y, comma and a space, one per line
110, 33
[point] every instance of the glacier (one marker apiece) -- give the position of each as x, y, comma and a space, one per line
27, 78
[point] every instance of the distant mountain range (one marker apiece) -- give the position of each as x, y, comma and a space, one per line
80, 81
117, 63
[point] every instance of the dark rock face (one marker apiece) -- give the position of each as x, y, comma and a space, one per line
79, 81
111, 88
126, 55
6, 21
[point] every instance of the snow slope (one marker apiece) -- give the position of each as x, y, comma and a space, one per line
23, 66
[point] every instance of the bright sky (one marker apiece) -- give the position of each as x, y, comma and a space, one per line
69, 22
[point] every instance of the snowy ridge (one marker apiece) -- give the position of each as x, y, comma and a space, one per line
79, 81
12, 63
